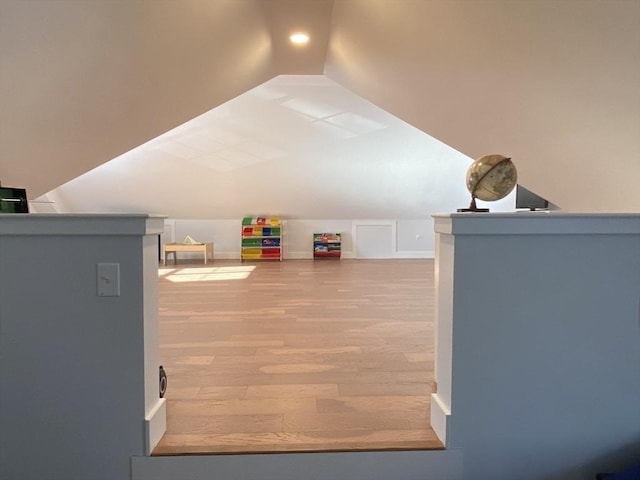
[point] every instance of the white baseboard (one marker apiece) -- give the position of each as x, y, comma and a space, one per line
226, 256
439, 418
416, 254
155, 424
298, 255
307, 255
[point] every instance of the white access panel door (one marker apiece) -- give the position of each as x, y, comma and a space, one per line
375, 241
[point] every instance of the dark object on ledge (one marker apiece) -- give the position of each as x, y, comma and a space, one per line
163, 382
13, 200
529, 200
473, 207
632, 473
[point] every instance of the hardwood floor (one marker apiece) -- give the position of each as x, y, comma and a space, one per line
298, 355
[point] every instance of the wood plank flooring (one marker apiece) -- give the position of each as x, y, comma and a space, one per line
298, 355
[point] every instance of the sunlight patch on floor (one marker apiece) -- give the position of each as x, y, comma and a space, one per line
208, 274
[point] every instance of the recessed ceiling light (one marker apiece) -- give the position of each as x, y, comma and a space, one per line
299, 38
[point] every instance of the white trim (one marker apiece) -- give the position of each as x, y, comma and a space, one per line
394, 240
309, 255
305, 255
229, 255
171, 223
415, 254
439, 418
155, 424
299, 256
374, 223
48, 224
537, 223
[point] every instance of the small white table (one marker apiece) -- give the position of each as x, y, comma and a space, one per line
173, 248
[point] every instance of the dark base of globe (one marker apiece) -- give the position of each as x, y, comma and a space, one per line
473, 208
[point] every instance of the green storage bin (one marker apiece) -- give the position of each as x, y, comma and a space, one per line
251, 242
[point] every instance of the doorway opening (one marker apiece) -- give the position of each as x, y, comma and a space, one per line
298, 356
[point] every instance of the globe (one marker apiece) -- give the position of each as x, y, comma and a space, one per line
490, 178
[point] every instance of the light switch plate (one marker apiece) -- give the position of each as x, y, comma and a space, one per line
108, 279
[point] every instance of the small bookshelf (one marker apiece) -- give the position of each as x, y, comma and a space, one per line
327, 245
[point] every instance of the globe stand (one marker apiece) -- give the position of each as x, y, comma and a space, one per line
473, 207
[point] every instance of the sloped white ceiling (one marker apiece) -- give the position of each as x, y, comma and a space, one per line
296, 146
552, 84
82, 82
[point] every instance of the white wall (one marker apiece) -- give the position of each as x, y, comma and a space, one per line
415, 236
412, 238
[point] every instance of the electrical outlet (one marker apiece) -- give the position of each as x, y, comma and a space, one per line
108, 279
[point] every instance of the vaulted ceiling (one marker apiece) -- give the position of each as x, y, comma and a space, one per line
555, 85
297, 146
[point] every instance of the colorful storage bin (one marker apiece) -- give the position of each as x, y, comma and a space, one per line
261, 238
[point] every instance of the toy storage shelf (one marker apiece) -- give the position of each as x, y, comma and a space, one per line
327, 245
261, 238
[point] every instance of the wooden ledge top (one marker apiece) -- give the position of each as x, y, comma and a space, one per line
537, 223
80, 224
